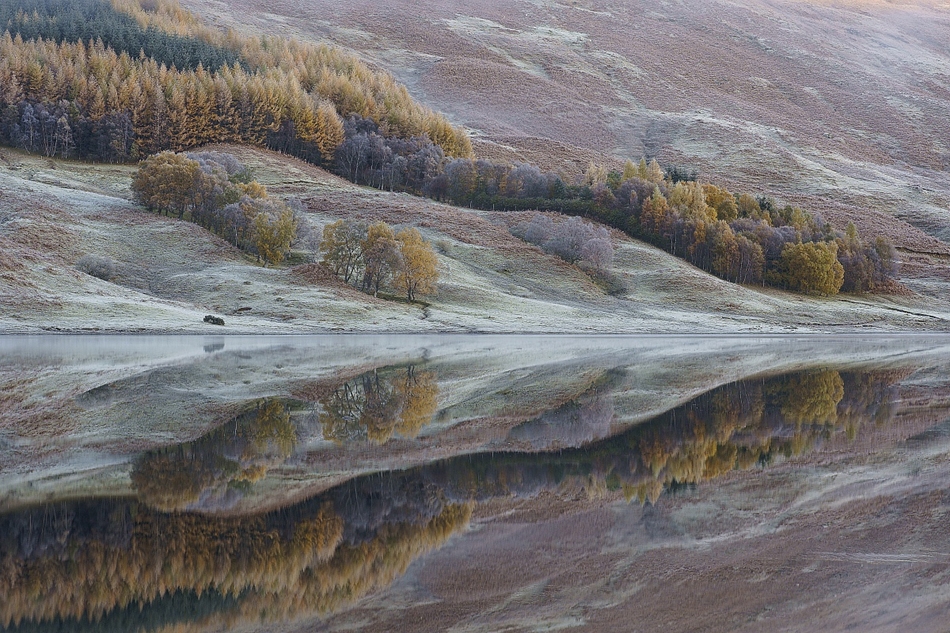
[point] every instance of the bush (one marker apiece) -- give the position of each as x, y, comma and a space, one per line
100, 267
574, 240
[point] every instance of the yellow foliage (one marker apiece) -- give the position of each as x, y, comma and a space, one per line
166, 182
253, 189
282, 79
811, 267
595, 175
688, 198
653, 212
420, 270
629, 171
722, 201
749, 207
273, 235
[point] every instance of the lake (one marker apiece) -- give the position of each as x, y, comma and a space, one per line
474, 483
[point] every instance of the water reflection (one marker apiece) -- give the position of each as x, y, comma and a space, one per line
380, 403
73, 565
212, 471
579, 421
144, 564
735, 427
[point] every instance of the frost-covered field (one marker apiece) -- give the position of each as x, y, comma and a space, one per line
170, 274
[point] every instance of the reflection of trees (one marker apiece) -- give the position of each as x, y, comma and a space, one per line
810, 398
734, 427
210, 470
79, 573
580, 421
378, 404
112, 560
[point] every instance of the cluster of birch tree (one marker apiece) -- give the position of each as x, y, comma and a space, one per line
374, 257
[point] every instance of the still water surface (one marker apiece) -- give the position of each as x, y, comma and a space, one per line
475, 483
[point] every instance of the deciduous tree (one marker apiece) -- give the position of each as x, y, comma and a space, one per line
420, 271
166, 182
342, 248
812, 267
382, 258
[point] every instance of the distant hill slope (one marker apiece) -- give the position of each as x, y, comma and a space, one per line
837, 106
170, 274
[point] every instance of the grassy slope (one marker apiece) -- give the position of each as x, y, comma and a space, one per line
172, 273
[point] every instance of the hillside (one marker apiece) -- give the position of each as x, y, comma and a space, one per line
169, 273
837, 106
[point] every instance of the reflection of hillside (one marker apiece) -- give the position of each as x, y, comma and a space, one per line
577, 422
216, 471
210, 470
731, 428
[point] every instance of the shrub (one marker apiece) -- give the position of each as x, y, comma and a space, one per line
574, 240
100, 267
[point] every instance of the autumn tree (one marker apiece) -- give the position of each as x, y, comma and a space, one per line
275, 228
328, 131
420, 270
166, 182
655, 209
342, 248
811, 267
748, 207
688, 198
722, 201
382, 257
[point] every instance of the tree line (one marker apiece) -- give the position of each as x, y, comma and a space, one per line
111, 104
737, 237
91, 20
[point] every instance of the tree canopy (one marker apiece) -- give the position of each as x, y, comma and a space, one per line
372, 257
